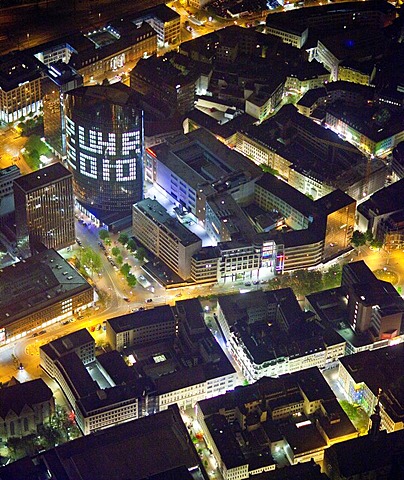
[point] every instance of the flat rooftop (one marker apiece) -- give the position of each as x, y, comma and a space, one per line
68, 343
153, 209
43, 177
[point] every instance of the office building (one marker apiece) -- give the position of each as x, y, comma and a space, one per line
60, 79
311, 158
365, 311
104, 138
44, 209
20, 86
173, 79
170, 357
165, 236
154, 447
39, 291
373, 130
377, 456
383, 215
114, 47
7, 177
191, 168
321, 229
80, 342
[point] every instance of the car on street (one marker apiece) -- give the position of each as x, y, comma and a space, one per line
149, 300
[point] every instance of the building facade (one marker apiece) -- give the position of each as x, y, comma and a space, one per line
20, 86
44, 209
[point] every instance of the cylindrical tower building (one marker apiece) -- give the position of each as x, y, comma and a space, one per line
104, 139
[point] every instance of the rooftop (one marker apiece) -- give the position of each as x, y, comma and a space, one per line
114, 452
43, 177
385, 201
358, 457
253, 318
376, 123
161, 12
142, 318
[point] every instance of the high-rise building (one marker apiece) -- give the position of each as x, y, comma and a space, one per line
104, 139
44, 209
60, 79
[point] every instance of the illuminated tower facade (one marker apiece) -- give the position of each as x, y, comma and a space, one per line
104, 140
